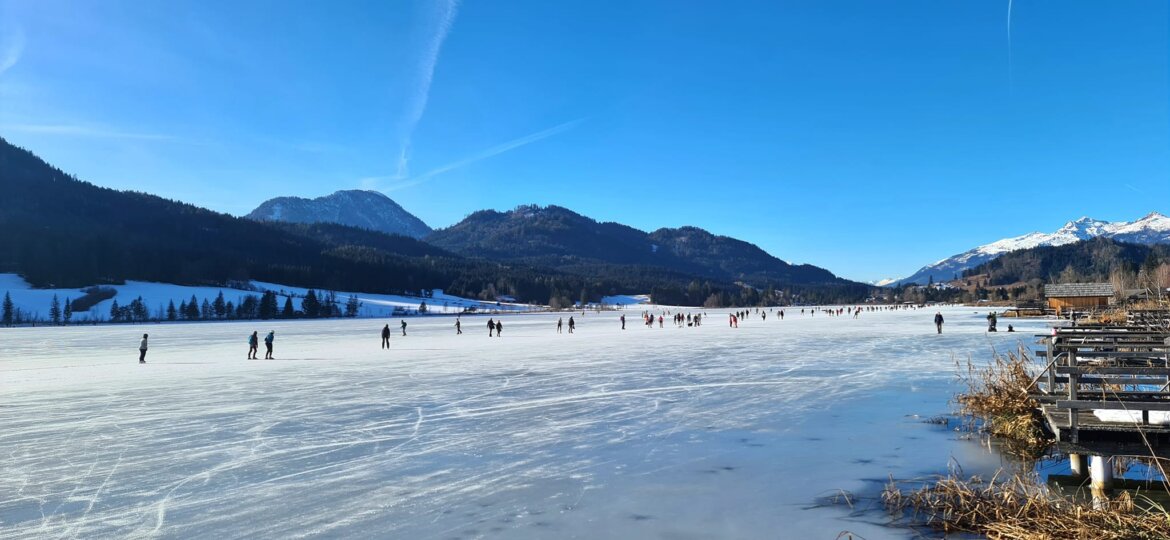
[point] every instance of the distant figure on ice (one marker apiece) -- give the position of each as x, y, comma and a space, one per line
253, 345
991, 320
491, 327
1010, 329
458, 326
386, 336
268, 344
623, 318
938, 321
403, 327
572, 325
560, 323
142, 350
499, 327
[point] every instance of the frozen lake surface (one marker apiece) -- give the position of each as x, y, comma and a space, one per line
708, 432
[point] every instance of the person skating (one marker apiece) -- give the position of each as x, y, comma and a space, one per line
268, 344
386, 336
458, 326
404, 327
572, 325
560, 323
491, 327
499, 327
938, 321
253, 345
991, 320
142, 349
623, 318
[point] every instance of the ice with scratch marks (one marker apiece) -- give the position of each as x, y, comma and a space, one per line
707, 432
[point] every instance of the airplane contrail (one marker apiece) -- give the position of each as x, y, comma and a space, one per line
446, 9
490, 152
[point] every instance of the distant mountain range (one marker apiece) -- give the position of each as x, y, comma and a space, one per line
556, 237
1154, 228
61, 232
560, 238
357, 208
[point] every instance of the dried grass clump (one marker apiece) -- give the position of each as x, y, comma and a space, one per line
998, 395
1021, 508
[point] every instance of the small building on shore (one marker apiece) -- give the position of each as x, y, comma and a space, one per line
1066, 296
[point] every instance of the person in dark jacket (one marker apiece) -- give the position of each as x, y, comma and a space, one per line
991, 320
572, 325
458, 326
386, 336
268, 344
499, 328
491, 327
938, 321
403, 327
142, 349
253, 345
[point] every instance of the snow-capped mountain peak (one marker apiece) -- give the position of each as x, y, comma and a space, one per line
1154, 228
366, 209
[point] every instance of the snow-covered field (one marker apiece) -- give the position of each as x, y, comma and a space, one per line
35, 302
706, 432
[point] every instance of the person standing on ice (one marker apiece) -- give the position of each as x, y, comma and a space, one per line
268, 344
623, 318
572, 325
560, 323
253, 345
938, 321
491, 327
386, 336
404, 327
499, 327
142, 349
458, 326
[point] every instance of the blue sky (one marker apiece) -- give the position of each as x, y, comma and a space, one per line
866, 137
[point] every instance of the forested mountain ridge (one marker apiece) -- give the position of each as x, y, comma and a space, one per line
1096, 259
1153, 228
557, 237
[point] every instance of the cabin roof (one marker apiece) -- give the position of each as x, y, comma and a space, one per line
1078, 290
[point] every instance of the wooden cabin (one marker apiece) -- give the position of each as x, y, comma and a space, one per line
1066, 296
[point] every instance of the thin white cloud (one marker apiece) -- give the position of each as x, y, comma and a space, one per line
480, 156
11, 48
82, 131
445, 13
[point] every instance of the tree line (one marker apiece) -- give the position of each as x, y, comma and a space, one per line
313, 305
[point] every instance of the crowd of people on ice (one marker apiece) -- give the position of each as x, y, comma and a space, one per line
680, 318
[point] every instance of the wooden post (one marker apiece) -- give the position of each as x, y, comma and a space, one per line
1101, 477
1052, 363
1073, 380
1076, 462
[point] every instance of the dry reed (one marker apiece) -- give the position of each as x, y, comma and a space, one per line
998, 396
1019, 508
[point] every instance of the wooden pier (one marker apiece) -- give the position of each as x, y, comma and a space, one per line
1105, 390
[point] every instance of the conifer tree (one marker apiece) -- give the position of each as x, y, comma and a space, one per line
55, 310
219, 306
172, 314
288, 312
7, 315
67, 314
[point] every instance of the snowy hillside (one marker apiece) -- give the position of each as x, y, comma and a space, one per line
1154, 228
35, 302
356, 208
